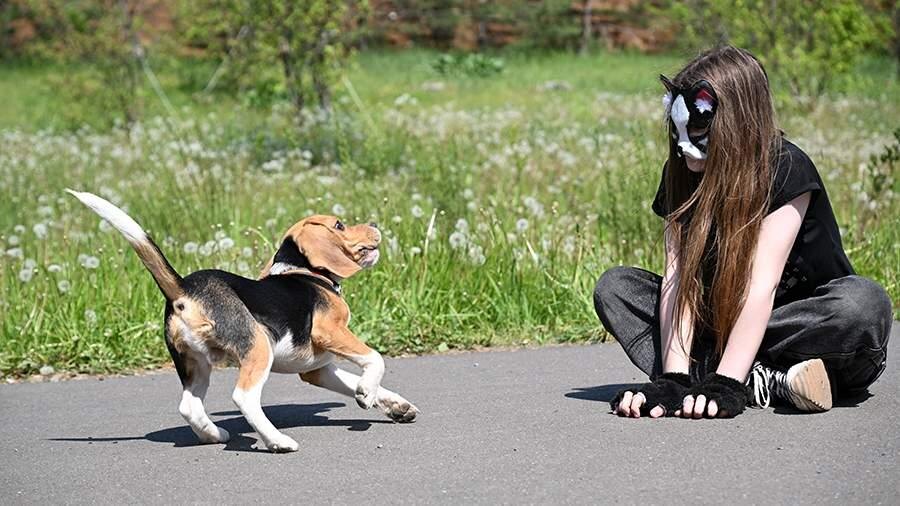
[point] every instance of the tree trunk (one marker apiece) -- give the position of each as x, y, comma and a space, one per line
586, 28
292, 80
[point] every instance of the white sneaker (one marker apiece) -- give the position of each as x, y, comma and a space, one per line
804, 386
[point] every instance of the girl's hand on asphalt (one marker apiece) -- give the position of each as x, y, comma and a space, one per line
630, 406
699, 408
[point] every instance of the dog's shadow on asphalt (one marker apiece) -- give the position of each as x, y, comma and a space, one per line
282, 416
600, 393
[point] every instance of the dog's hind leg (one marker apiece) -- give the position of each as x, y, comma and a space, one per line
255, 363
195, 385
193, 371
346, 383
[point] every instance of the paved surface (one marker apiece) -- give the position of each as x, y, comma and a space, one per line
528, 426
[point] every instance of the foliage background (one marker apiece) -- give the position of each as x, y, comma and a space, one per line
510, 162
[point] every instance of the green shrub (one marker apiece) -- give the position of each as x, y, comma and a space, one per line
808, 44
473, 65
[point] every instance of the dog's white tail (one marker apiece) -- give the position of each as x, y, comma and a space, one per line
166, 277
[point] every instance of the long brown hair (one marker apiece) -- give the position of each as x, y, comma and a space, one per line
717, 226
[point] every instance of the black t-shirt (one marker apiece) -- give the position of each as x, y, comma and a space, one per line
817, 255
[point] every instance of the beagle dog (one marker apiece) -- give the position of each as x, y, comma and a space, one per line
293, 319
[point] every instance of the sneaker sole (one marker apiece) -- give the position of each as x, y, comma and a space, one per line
809, 386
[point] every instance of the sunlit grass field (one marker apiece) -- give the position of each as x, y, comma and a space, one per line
501, 199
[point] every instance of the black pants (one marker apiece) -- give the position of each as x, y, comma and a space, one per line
846, 323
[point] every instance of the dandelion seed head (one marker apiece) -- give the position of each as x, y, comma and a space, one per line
417, 211
54, 268
457, 240
90, 262
190, 247
40, 230
25, 275
521, 225
226, 243
13, 240
63, 286
338, 210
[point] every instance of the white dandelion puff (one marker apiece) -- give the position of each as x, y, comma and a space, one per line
40, 230
462, 225
90, 262
226, 243
521, 225
247, 252
190, 247
14, 252
54, 268
25, 275
417, 211
338, 210
457, 240
13, 240
63, 286
90, 316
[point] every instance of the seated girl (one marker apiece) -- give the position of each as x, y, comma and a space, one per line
758, 302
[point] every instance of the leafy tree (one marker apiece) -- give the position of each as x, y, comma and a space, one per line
809, 43
306, 40
102, 37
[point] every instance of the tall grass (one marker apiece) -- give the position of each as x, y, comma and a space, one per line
501, 200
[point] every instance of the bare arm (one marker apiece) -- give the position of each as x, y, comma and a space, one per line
776, 237
676, 339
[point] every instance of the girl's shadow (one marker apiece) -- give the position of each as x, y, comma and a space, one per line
601, 393
282, 416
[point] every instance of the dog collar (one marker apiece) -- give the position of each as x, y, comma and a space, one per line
283, 269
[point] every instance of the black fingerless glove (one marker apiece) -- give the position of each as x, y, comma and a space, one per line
667, 391
730, 395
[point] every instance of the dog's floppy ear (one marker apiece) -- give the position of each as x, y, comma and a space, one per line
324, 250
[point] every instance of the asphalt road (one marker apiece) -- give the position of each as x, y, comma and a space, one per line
528, 426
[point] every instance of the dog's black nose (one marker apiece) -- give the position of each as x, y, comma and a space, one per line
373, 224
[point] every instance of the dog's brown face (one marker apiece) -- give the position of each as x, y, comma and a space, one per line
332, 246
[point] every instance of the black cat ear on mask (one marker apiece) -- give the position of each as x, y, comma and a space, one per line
667, 83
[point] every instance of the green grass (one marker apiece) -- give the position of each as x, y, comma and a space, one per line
554, 187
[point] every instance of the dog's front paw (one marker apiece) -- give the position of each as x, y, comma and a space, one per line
402, 412
365, 396
219, 436
282, 444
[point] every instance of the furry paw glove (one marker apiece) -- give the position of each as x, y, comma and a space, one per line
667, 391
730, 394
